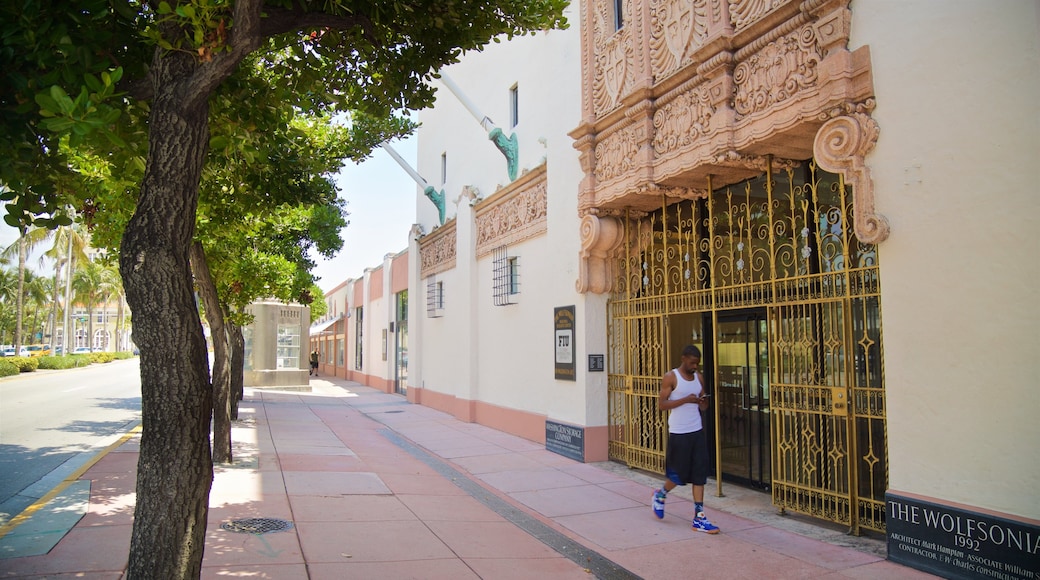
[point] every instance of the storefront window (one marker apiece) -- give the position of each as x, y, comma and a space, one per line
288, 346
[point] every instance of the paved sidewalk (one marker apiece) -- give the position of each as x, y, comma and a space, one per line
370, 486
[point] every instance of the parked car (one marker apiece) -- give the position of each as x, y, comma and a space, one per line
39, 350
9, 351
81, 350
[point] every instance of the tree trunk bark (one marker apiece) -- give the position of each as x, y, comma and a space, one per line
175, 469
218, 334
238, 352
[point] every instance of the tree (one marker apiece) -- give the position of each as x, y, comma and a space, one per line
374, 58
92, 284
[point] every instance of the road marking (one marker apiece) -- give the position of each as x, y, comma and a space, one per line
29, 511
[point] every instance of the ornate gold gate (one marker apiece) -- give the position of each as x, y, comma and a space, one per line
783, 245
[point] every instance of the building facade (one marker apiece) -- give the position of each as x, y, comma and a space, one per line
831, 198
364, 335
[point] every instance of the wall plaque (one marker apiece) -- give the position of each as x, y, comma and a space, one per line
563, 340
956, 543
567, 440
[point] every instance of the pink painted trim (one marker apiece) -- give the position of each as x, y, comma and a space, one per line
530, 426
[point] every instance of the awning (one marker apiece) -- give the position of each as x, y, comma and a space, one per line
323, 326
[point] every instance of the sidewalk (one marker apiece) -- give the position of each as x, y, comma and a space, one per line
367, 485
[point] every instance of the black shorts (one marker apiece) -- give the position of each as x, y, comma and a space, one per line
686, 458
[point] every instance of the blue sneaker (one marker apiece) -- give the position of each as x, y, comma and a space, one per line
658, 503
702, 524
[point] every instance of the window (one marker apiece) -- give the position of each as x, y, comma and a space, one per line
619, 14
505, 276
359, 337
288, 356
434, 298
444, 168
514, 106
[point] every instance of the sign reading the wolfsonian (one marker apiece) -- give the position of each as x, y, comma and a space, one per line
563, 339
955, 543
567, 440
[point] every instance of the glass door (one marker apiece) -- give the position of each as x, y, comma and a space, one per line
401, 344
743, 398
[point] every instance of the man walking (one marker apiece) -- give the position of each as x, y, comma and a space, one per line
314, 363
686, 459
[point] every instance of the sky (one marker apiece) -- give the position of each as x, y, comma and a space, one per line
380, 199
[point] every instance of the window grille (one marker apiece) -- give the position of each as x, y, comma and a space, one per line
434, 298
506, 277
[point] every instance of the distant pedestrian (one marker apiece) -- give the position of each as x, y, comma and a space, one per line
314, 363
686, 459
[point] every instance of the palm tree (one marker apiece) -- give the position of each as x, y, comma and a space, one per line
94, 283
8, 294
69, 244
36, 292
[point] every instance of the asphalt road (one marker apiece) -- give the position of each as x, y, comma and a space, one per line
51, 422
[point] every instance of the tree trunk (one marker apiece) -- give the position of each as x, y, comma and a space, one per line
54, 307
218, 334
21, 296
67, 337
175, 469
238, 357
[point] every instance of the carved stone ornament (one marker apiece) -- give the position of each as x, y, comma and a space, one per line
677, 28
601, 237
514, 214
777, 72
743, 13
615, 65
680, 122
437, 250
616, 154
840, 146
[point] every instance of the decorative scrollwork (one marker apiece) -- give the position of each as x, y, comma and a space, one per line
615, 154
682, 121
841, 145
777, 72
600, 240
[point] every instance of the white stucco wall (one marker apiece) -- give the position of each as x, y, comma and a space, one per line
958, 105
503, 355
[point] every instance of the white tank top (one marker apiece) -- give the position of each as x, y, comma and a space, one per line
685, 418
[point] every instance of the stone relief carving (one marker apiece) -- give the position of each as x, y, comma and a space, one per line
601, 238
682, 121
615, 59
677, 28
615, 154
518, 216
776, 72
840, 146
437, 251
745, 12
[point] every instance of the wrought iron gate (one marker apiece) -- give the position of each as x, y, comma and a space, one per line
783, 243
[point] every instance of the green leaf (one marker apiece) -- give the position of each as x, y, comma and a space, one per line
164, 8
48, 106
60, 97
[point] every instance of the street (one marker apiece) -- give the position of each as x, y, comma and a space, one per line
51, 422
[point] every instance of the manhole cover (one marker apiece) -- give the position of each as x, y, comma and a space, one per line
257, 525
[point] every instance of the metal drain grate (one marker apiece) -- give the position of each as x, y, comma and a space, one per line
257, 525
